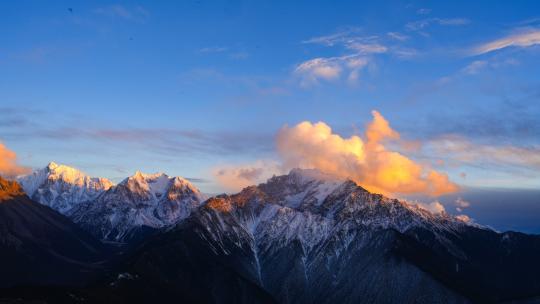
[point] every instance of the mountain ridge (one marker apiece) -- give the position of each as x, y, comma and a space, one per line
303, 241
137, 206
41, 246
62, 187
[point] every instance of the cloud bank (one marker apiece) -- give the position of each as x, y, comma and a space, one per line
366, 160
8, 163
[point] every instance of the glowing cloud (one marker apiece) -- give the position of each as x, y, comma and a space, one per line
366, 161
8, 163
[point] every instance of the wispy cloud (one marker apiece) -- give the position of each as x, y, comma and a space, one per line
352, 40
330, 69
526, 38
461, 204
477, 66
340, 37
421, 26
198, 180
214, 49
360, 51
397, 36
159, 140
236, 177
458, 151
423, 11
135, 13
232, 53
424, 23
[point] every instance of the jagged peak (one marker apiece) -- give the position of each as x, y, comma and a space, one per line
58, 172
52, 165
65, 172
300, 177
139, 174
157, 183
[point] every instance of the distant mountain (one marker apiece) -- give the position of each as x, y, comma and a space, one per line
61, 187
137, 206
39, 246
307, 238
126, 212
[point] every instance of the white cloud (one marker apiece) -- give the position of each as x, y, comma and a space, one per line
423, 11
367, 48
340, 37
361, 51
461, 204
329, 69
462, 151
397, 36
475, 66
521, 39
136, 13
351, 40
464, 218
214, 49
422, 24
433, 207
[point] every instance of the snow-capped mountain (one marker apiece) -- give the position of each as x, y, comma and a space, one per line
62, 187
140, 202
307, 238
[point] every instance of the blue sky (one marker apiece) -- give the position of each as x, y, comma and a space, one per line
188, 88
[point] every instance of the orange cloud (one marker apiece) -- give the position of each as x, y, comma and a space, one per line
8, 163
368, 162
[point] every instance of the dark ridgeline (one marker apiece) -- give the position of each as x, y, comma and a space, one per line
43, 253
299, 238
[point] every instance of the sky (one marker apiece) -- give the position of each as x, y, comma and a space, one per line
228, 93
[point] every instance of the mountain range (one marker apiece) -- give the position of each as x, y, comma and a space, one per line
138, 205
304, 237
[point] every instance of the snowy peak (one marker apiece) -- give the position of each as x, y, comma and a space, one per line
309, 195
139, 202
158, 185
301, 188
61, 187
69, 175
